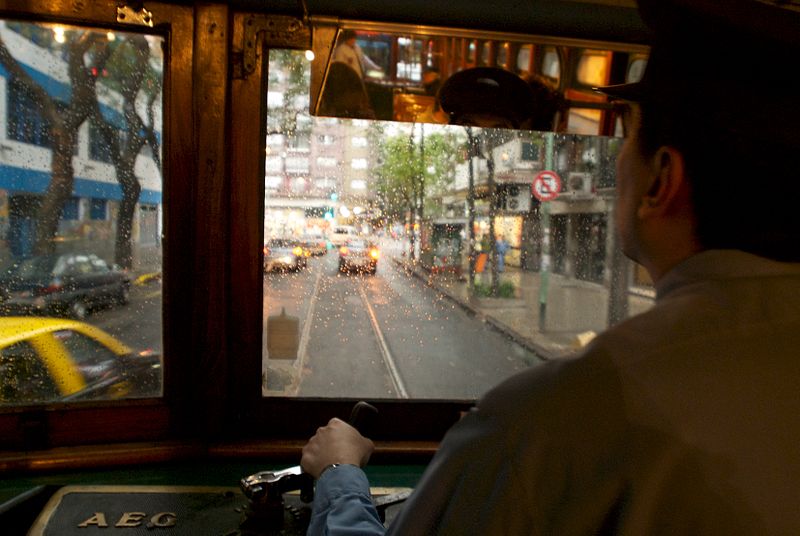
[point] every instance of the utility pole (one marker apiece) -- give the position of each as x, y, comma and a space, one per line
544, 270
471, 151
412, 255
492, 212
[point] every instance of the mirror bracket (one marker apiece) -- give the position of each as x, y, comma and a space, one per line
277, 32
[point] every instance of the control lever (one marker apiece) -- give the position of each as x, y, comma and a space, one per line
265, 489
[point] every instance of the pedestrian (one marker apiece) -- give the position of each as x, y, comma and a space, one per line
350, 53
684, 419
502, 247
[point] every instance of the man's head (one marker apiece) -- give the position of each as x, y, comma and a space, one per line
349, 37
713, 132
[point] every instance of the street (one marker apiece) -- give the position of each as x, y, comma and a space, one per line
138, 324
383, 336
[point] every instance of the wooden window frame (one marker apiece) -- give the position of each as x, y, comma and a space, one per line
34, 430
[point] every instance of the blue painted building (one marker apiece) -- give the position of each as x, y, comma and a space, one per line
88, 218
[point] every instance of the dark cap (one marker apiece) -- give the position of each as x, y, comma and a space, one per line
487, 90
708, 49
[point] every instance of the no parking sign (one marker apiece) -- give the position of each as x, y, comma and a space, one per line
546, 185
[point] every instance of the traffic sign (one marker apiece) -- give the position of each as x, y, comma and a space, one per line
546, 185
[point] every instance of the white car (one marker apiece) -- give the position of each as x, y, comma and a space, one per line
341, 234
359, 254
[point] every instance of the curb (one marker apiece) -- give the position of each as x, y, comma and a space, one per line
147, 278
543, 353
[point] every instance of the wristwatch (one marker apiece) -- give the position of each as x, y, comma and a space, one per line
333, 466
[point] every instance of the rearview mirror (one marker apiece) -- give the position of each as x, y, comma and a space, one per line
403, 73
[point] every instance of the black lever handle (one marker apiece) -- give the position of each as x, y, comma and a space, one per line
362, 418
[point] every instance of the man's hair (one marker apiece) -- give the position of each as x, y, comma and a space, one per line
745, 181
721, 88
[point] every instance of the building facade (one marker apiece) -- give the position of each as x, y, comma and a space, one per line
88, 219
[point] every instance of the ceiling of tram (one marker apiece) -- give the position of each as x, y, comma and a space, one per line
611, 20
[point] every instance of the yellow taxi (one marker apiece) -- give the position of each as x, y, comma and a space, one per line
56, 359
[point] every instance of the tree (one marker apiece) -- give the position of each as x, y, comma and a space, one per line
482, 146
395, 178
283, 119
63, 120
132, 76
411, 170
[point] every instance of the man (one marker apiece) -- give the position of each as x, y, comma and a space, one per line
684, 419
349, 52
502, 248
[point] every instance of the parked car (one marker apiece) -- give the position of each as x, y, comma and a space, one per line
66, 284
315, 244
283, 254
54, 359
359, 254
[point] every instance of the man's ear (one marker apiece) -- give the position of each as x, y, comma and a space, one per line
669, 186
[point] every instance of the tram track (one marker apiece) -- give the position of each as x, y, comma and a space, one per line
298, 369
384, 336
386, 354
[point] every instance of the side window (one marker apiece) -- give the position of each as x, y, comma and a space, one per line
524, 58
635, 70
502, 55
24, 378
92, 358
83, 86
551, 64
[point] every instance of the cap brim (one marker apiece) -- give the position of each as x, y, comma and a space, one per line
630, 92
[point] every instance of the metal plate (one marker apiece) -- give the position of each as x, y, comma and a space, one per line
172, 510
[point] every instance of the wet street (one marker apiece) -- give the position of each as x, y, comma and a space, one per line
382, 336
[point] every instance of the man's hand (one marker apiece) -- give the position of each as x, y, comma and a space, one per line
338, 442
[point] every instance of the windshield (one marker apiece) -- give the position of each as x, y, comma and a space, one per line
496, 252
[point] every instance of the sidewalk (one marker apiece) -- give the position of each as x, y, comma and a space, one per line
576, 310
